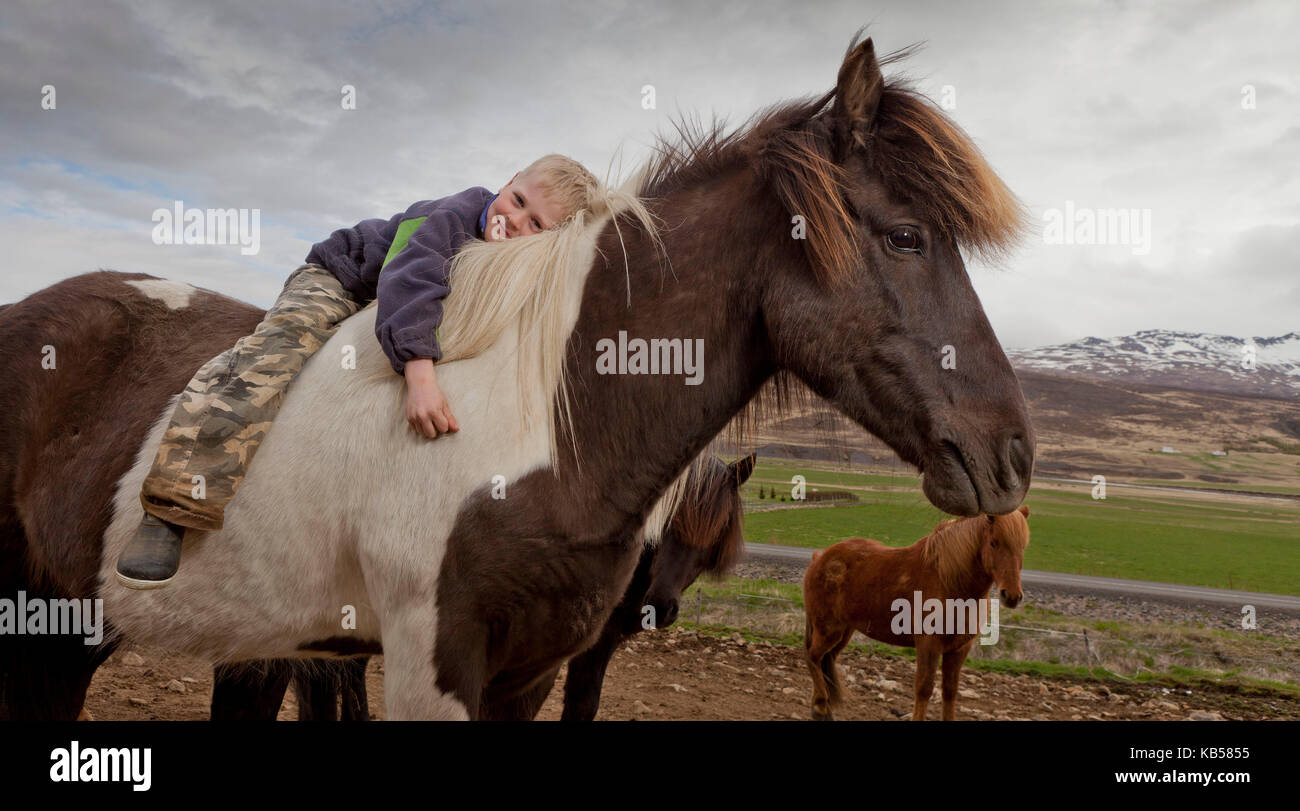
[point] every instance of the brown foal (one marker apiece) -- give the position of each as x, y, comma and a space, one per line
863, 585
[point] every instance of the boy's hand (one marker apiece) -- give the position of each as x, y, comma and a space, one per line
427, 409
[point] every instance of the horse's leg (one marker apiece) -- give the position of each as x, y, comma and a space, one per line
520, 707
927, 659
413, 689
587, 676
820, 648
333, 690
317, 691
249, 691
43, 677
354, 702
952, 662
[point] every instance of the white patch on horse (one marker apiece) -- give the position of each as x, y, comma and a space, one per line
176, 295
344, 504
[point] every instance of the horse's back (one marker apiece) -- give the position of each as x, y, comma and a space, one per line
851, 580
833, 562
89, 365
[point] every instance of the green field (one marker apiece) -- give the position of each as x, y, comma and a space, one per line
1245, 544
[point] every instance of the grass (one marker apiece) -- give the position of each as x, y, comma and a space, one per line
1134, 534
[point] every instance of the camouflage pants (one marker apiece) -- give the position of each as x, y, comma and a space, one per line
226, 410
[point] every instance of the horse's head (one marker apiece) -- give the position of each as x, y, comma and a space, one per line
873, 308
703, 537
1002, 552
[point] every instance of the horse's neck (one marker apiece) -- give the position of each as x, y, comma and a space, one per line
635, 433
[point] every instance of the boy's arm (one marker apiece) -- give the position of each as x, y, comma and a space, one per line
411, 288
353, 253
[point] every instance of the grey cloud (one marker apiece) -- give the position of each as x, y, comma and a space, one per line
237, 104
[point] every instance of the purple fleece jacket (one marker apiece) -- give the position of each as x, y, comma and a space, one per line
413, 281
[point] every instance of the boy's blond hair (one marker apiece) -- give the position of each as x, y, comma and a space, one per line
566, 182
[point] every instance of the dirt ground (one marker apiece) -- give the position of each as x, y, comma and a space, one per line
679, 675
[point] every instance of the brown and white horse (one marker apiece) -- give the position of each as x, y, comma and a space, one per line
820, 241
703, 537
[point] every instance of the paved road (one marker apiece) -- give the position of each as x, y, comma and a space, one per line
1282, 497
1168, 592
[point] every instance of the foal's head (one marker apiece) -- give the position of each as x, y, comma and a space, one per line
966, 551
1002, 551
703, 537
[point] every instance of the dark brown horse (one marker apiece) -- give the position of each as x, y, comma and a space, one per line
927, 596
822, 241
703, 537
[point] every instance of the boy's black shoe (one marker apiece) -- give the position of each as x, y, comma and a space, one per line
153, 555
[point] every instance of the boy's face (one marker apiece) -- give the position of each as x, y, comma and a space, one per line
527, 210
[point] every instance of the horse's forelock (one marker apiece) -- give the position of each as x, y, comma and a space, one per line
703, 506
1012, 528
709, 516
924, 158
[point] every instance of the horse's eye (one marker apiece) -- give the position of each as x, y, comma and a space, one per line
994, 544
905, 239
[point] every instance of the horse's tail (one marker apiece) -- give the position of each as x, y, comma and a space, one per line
834, 693
825, 664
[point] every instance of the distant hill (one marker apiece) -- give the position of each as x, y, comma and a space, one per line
1185, 360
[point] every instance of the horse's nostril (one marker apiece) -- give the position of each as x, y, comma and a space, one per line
1021, 456
670, 613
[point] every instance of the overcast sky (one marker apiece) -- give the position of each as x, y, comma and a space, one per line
1091, 105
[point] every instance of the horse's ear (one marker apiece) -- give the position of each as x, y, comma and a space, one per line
1024, 510
857, 95
742, 468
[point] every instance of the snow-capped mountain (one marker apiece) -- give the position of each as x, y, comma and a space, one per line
1186, 360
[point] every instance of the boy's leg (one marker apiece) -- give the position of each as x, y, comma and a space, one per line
221, 419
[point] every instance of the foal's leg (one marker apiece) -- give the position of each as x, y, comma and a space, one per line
952, 662
821, 645
927, 659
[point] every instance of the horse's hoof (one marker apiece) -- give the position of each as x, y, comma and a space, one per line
816, 716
